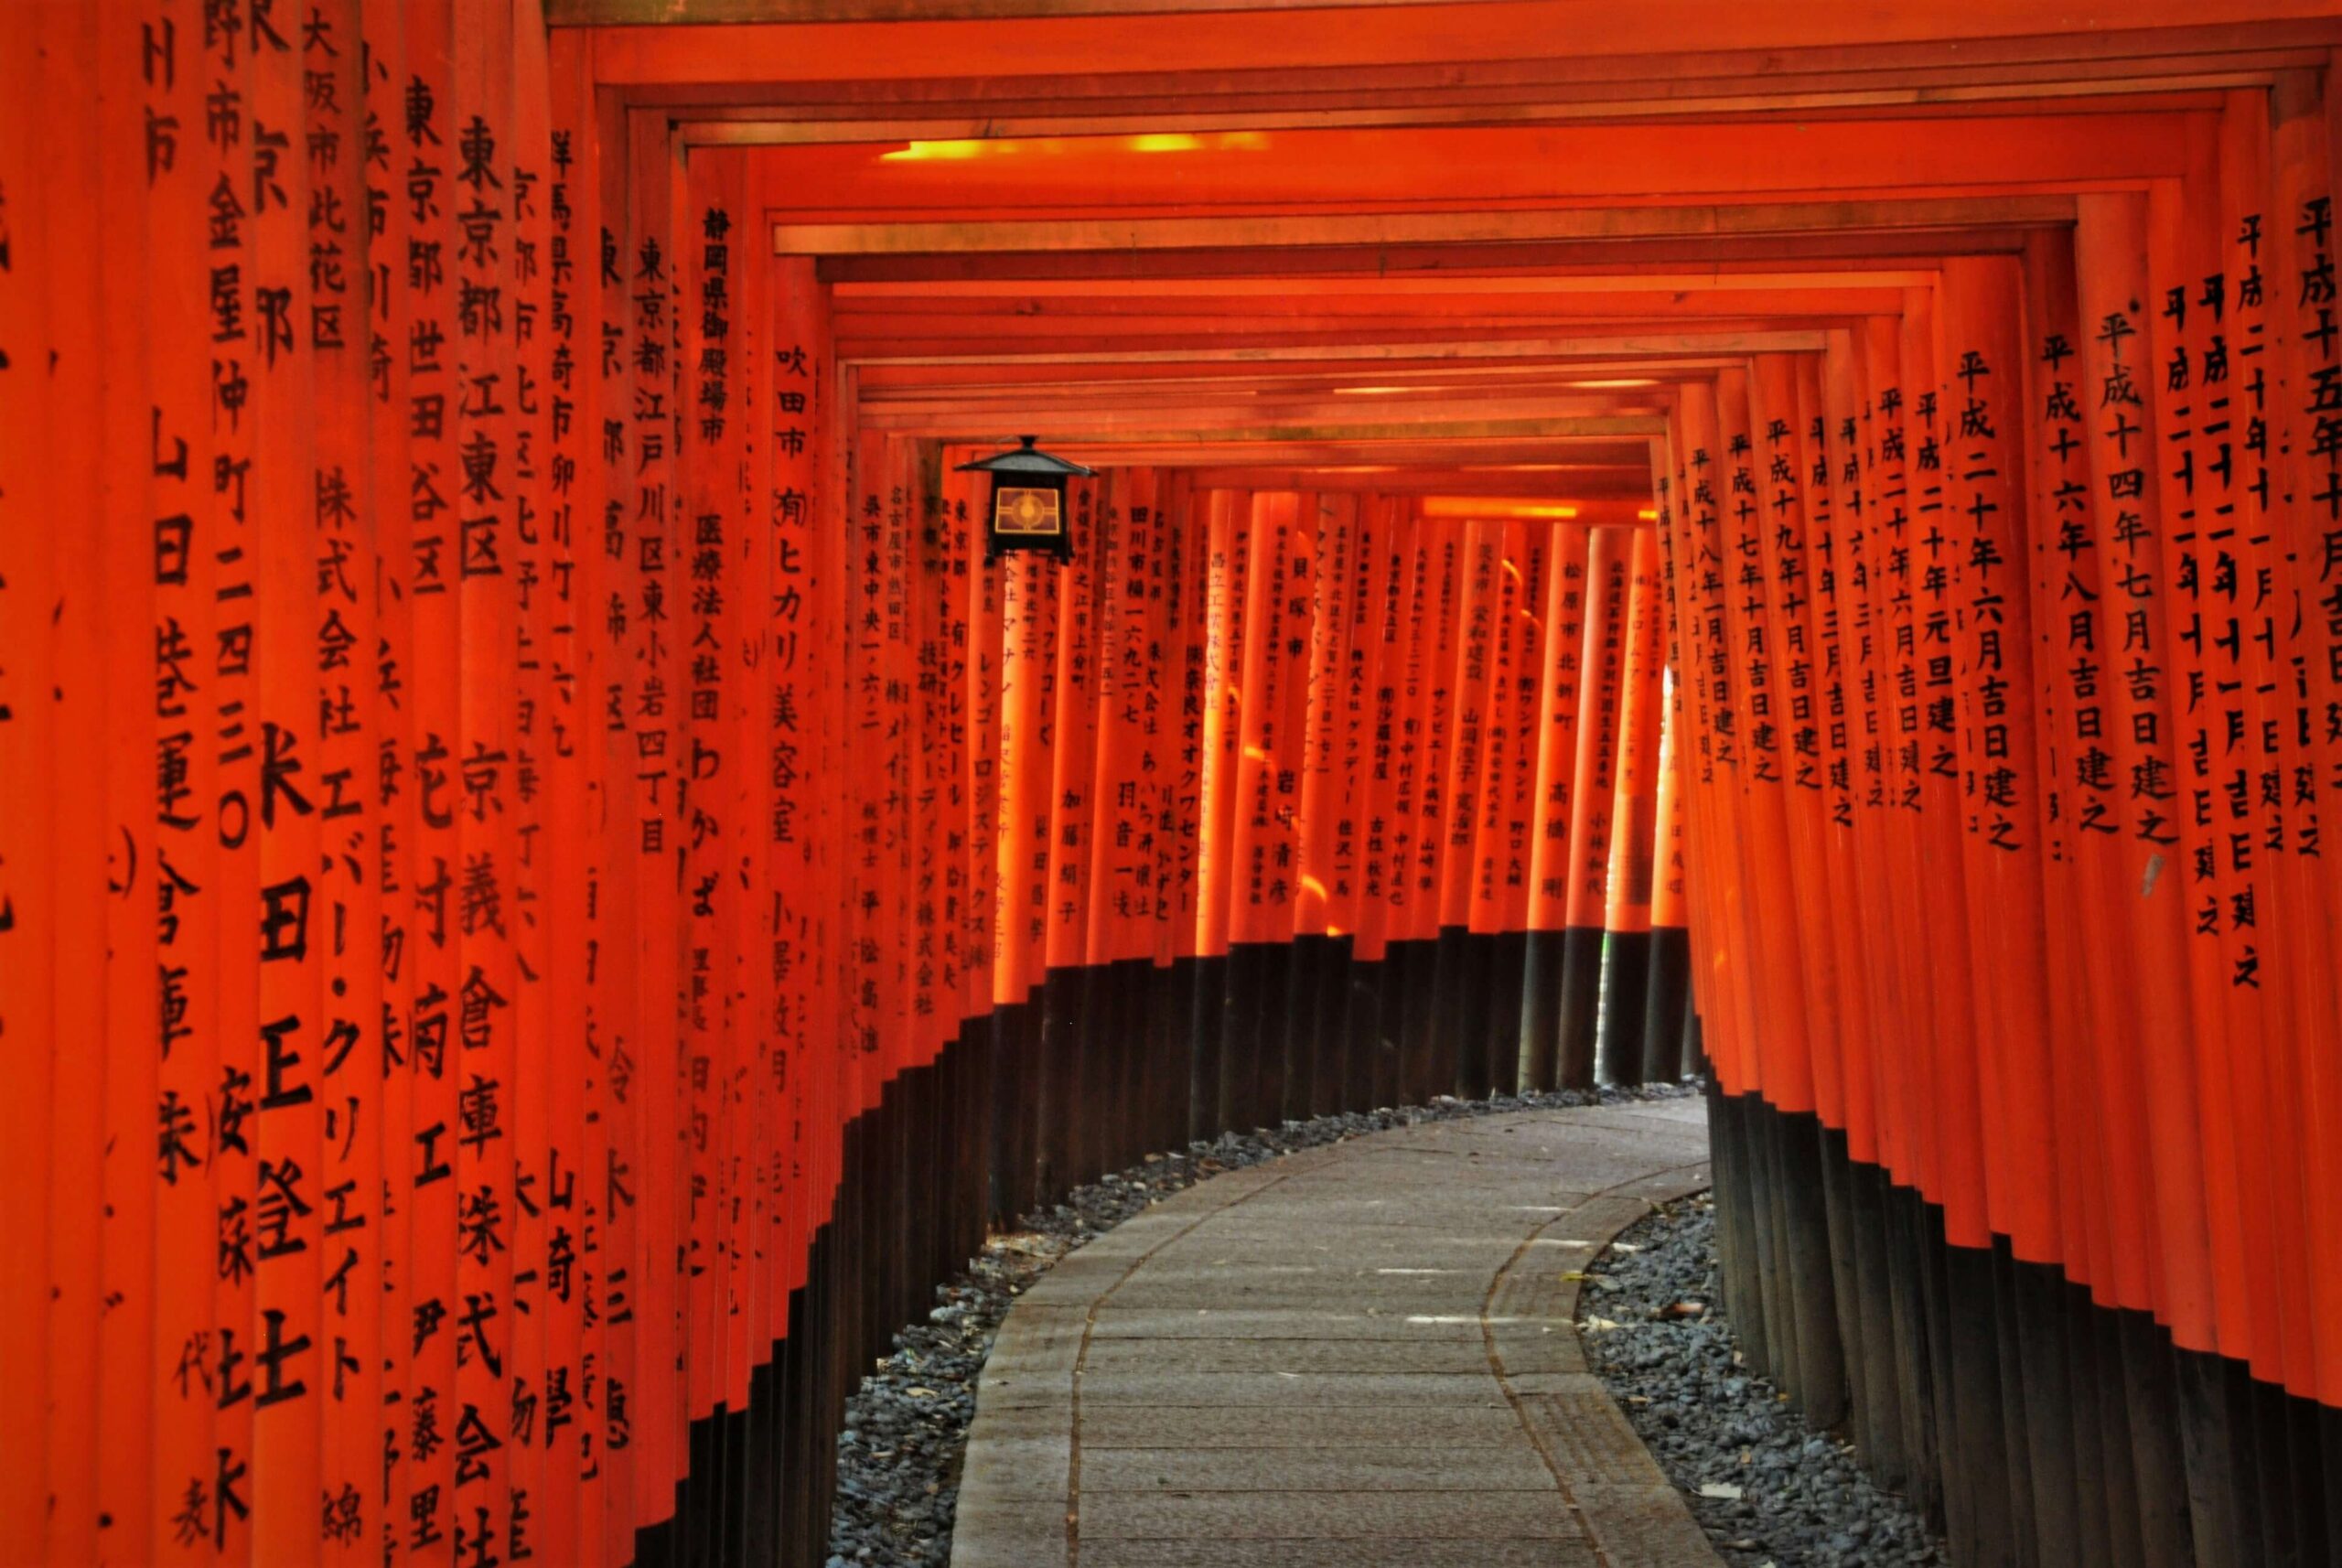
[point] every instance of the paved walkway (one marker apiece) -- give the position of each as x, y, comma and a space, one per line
1357, 1355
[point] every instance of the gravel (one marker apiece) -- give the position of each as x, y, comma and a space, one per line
1768, 1491
906, 1428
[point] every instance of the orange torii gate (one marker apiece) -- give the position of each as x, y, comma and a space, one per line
550, 888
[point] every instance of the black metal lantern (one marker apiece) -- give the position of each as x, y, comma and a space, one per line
1028, 509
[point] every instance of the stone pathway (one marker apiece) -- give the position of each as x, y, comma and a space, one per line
1358, 1355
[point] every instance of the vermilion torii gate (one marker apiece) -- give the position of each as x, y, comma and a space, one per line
548, 889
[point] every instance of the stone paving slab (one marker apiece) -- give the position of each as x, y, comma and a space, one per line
1524, 1349
1359, 1355
1410, 1466
1037, 1469
1395, 1297
1219, 1390
1599, 1160
1012, 1541
1384, 1255
1269, 1224
1326, 1516
1387, 1553
1435, 1268
1491, 1419
1109, 1357
1584, 1434
1668, 1186
1291, 1323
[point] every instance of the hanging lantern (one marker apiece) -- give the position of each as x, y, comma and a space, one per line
1028, 507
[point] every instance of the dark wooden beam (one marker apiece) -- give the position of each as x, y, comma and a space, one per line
1592, 347
1280, 231
835, 40
1885, 250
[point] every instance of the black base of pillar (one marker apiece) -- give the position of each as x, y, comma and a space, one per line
1239, 1072
1666, 1004
1506, 972
1061, 1023
1419, 963
1206, 1092
1882, 1435
1171, 990
1623, 1007
1578, 1010
1373, 1041
1540, 1011
1331, 1090
2039, 1427
1458, 1017
1273, 1032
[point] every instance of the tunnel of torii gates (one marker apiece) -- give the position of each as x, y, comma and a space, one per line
549, 889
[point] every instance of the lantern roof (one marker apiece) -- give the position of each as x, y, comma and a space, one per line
1028, 460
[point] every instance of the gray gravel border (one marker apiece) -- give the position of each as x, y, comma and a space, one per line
1769, 1493
906, 1432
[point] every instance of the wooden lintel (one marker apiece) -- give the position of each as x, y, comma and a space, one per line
2098, 55
1578, 281
1607, 428
1303, 309
1102, 234
657, 13
1203, 381
882, 383
1539, 455
1136, 408
1654, 345
1524, 482
1103, 410
758, 126
1600, 450
1335, 298
832, 42
1887, 250
1205, 345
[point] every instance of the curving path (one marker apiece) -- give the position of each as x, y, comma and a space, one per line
1362, 1354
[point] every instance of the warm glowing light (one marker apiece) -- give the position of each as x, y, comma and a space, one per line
1616, 382
959, 151
1311, 884
1255, 754
948, 152
1372, 392
1649, 514
1497, 509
